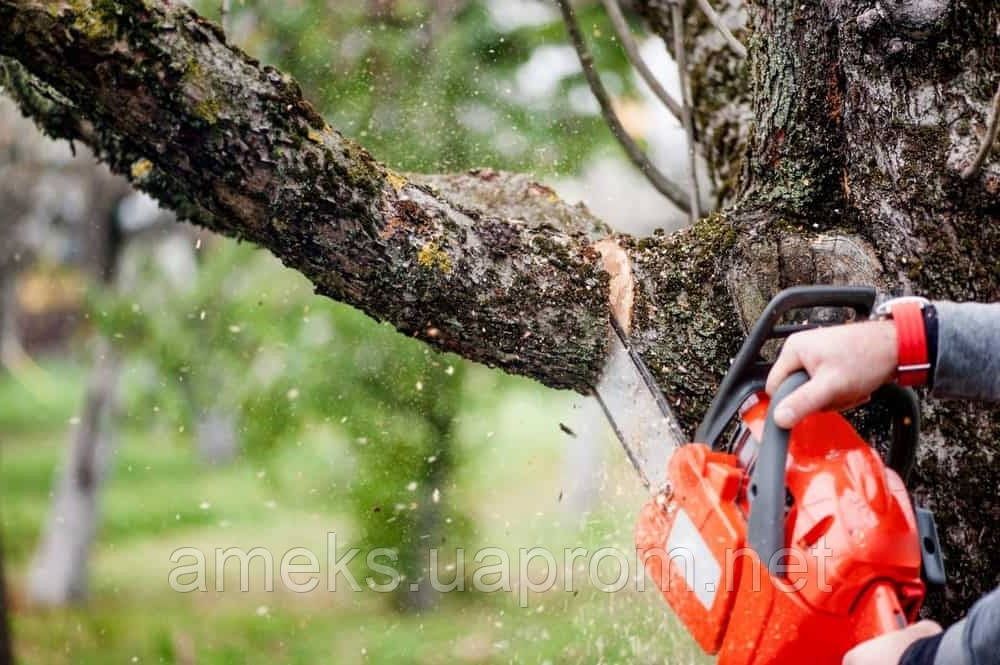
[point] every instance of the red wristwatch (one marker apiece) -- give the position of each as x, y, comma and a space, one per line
907, 313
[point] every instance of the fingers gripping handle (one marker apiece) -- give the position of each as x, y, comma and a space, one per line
767, 484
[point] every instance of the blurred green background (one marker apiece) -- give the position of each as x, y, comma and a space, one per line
251, 413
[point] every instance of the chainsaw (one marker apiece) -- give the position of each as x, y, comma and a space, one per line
773, 545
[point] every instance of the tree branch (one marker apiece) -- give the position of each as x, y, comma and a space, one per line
713, 17
665, 186
680, 55
721, 87
234, 146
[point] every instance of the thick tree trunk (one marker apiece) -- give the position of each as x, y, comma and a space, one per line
862, 115
235, 147
865, 116
916, 89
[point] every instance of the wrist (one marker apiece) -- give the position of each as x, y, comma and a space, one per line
909, 317
889, 342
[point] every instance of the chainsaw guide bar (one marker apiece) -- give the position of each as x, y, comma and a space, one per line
638, 412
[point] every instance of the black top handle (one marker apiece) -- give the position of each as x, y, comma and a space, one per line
766, 531
748, 372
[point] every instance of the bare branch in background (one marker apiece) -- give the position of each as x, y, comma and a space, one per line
992, 129
680, 55
224, 8
716, 20
624, 35
665, 186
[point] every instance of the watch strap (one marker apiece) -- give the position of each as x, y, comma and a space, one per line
913, 365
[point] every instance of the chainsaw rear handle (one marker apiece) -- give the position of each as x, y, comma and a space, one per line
747, 376
905, 410
766, 531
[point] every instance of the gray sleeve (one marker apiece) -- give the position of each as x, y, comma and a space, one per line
968, 366
975, 640
968, 351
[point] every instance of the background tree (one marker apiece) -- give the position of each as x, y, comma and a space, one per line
288, 364
62, 212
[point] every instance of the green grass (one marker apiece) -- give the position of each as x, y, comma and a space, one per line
584, 631
159, 497
38, 398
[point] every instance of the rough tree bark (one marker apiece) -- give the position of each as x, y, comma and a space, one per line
863, 113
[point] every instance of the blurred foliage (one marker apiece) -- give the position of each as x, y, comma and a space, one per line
249, 337
436, 85
162, 497
429, 86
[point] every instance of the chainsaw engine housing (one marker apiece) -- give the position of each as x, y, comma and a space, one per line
850, 568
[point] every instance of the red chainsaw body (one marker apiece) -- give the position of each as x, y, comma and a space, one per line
851, 563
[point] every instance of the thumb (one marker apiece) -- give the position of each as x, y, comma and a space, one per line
812, 396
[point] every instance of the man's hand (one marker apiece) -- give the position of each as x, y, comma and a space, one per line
889, 648
845, 365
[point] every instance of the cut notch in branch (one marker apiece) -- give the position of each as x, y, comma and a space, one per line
621, 289
664, 185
